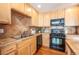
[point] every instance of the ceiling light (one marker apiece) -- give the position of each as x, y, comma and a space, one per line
39, 6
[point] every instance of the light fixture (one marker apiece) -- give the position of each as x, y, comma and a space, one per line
39, 6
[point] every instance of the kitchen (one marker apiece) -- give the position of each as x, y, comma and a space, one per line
39, 29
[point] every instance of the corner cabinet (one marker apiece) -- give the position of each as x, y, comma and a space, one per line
5, 13
72, 16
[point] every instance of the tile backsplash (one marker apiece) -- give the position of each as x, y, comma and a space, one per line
17, 26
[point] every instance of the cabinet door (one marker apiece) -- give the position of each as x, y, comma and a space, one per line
33, 45
46, 21
19, 7
60, 13
5, 13
34, 18
41, 20
24, 50
54, 14
71, 16
46, 39
28, 10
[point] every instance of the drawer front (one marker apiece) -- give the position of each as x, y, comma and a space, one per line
8, 48
11, 53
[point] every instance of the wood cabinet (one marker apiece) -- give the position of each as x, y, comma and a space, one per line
45, 39
68, 50
58, 13
5, 13
8, 49
28, 10
40, 20
25, 50
53, 14
19, 7
46, 20
61, 13
33, 13
23, 47
33, 45
71, 16
27, 46
34, 17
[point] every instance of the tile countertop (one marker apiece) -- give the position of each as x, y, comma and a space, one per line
74, 45
6, 41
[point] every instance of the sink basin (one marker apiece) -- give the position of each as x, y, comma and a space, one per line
19, 37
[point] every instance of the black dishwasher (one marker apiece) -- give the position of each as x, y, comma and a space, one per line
39, 41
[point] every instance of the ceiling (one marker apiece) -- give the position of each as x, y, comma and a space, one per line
46, 7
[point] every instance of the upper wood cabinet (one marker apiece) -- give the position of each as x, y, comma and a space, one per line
53, 14
5, 13
46, 20
28, 10
18, 6
41, 19
60, 13
34, 17
72, 16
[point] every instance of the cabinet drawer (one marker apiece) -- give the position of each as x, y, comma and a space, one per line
11, 53
8, 48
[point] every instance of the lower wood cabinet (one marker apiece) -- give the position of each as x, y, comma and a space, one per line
27, 46
9, 49
33, 45
24, 50
68, 50
24, 46
45, 39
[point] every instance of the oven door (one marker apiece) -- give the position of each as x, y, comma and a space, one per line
57, 42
